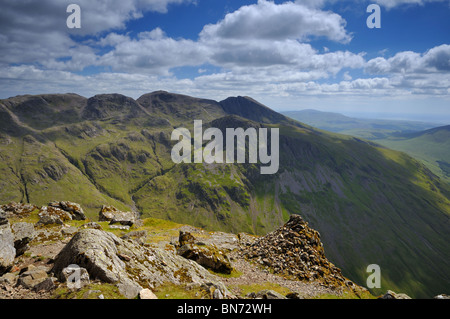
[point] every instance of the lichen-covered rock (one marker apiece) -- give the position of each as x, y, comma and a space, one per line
14, 209
115, 216
393, 295
23, 235
73, 209
207, 256
49, 215
99, 252
33, 277
7, 250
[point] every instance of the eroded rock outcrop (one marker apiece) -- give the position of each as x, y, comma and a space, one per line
7, 250
208, 256
73, 209
115, 216
295, 250
132, 267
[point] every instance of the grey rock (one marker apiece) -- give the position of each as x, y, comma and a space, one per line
69, 231
73, 209
92, 225
7, 250
49, 215
393, 295
75, 276
17, 209
115, 216
98, 251
24, 233
207, 256
33, 277
47, 284
139, 236
3, 217
9, 279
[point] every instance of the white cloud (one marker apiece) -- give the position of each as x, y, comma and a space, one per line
269, 21
434, 60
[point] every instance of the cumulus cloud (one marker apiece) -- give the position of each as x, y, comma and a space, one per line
434, 60
269, 21
36, 31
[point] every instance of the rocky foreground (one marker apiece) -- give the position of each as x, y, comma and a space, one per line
55, 252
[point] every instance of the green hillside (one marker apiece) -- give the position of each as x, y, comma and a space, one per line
423, 141
370, 204
432, 147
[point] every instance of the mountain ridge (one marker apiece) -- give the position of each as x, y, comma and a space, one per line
354, 193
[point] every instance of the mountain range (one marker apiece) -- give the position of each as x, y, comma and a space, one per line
427, 142
371, 204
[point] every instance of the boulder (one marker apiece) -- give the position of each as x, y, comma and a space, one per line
7, 250
92, 225
73, 209
23, 235
3, 217
115, 216
392, 295
207, 256
145, 267
147, 294
33, 277
14, 209
49, 215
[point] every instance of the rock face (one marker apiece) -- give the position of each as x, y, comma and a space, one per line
7, 250
17, 209
49, 215
23, 234
102, 254
115, 216
296, 250
207, 256
73, 209
36, 278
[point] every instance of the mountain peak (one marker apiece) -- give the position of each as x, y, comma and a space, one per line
249, 108
105, 106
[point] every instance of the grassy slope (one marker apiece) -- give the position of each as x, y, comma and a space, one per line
432, 147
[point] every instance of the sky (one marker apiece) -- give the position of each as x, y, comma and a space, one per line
288, 55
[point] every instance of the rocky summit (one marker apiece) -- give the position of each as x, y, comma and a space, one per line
153, 258
295, 250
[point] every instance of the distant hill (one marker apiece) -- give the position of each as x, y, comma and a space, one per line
370, 204
364, 128
430, 146
423, 141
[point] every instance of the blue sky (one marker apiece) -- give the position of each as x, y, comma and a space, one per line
286, 54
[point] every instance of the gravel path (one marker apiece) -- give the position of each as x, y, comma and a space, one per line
252, 274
